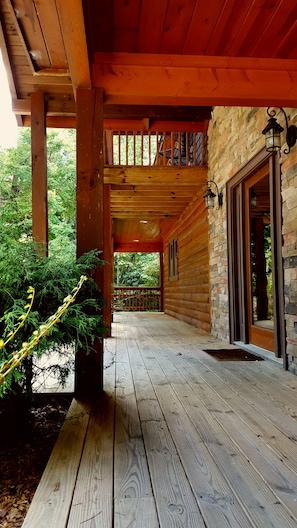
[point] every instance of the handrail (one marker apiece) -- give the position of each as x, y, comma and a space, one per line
137, 298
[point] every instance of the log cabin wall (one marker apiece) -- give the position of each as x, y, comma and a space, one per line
186, 296
234, 138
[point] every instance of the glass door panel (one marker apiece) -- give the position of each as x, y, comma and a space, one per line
259, 265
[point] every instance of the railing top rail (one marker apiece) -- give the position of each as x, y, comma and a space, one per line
137, 287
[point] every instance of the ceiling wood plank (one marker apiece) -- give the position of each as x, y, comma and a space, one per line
48, 17
178, 18
205, 17
19, 35
151, 22
195, 80
7, 66
163, 176
71, 18
279, 26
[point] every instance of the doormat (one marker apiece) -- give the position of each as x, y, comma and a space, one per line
232, 354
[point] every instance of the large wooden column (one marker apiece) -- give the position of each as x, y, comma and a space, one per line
90, 220
161, 257
39, 171
108, 259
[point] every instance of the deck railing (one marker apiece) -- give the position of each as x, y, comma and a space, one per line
156, 148
138, 299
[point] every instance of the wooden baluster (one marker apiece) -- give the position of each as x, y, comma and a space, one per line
118, 148
149, 148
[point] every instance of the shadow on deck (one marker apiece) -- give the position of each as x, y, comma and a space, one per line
178, 439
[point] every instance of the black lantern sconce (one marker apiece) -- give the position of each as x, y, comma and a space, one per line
209, 196
273, 130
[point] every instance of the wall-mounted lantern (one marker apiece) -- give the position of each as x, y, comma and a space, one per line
273, 130
210, 196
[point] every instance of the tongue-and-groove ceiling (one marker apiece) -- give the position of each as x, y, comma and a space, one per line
170, 60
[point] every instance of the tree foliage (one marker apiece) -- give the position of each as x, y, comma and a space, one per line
21, 265
137, 269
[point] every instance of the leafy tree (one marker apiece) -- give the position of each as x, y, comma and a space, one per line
16, 182
137, 269
54, 277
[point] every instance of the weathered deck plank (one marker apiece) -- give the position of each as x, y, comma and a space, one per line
179, 439
51, 504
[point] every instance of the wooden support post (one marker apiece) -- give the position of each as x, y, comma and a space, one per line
108, 259
161, 281
90, 165
39, 171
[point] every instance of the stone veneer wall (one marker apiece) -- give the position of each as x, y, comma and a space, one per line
289, 196
234, 138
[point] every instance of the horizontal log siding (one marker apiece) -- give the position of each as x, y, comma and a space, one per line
187, 298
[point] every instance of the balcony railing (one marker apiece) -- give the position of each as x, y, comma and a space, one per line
155, 148
139, 299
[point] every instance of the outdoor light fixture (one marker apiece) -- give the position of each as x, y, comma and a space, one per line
209, 196
273, 130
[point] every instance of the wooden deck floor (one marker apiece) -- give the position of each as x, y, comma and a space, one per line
179, 439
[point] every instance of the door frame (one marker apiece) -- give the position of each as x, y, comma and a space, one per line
238, 316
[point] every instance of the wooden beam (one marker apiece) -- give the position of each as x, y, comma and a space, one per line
162, 176
61, 104
121, 113
71, 17
58, 110
108, 260
54, 122
162, 279
39, 172
155, 125
89, 367
64, 121
142, 247
159, 112
147, 191
145, 213
195, 80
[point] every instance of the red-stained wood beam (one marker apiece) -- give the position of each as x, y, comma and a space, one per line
192, 80
124, 125
90, 220
142, 247
39, 172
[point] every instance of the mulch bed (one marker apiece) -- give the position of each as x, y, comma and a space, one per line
26, 442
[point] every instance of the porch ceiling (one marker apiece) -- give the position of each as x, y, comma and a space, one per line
163, 61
